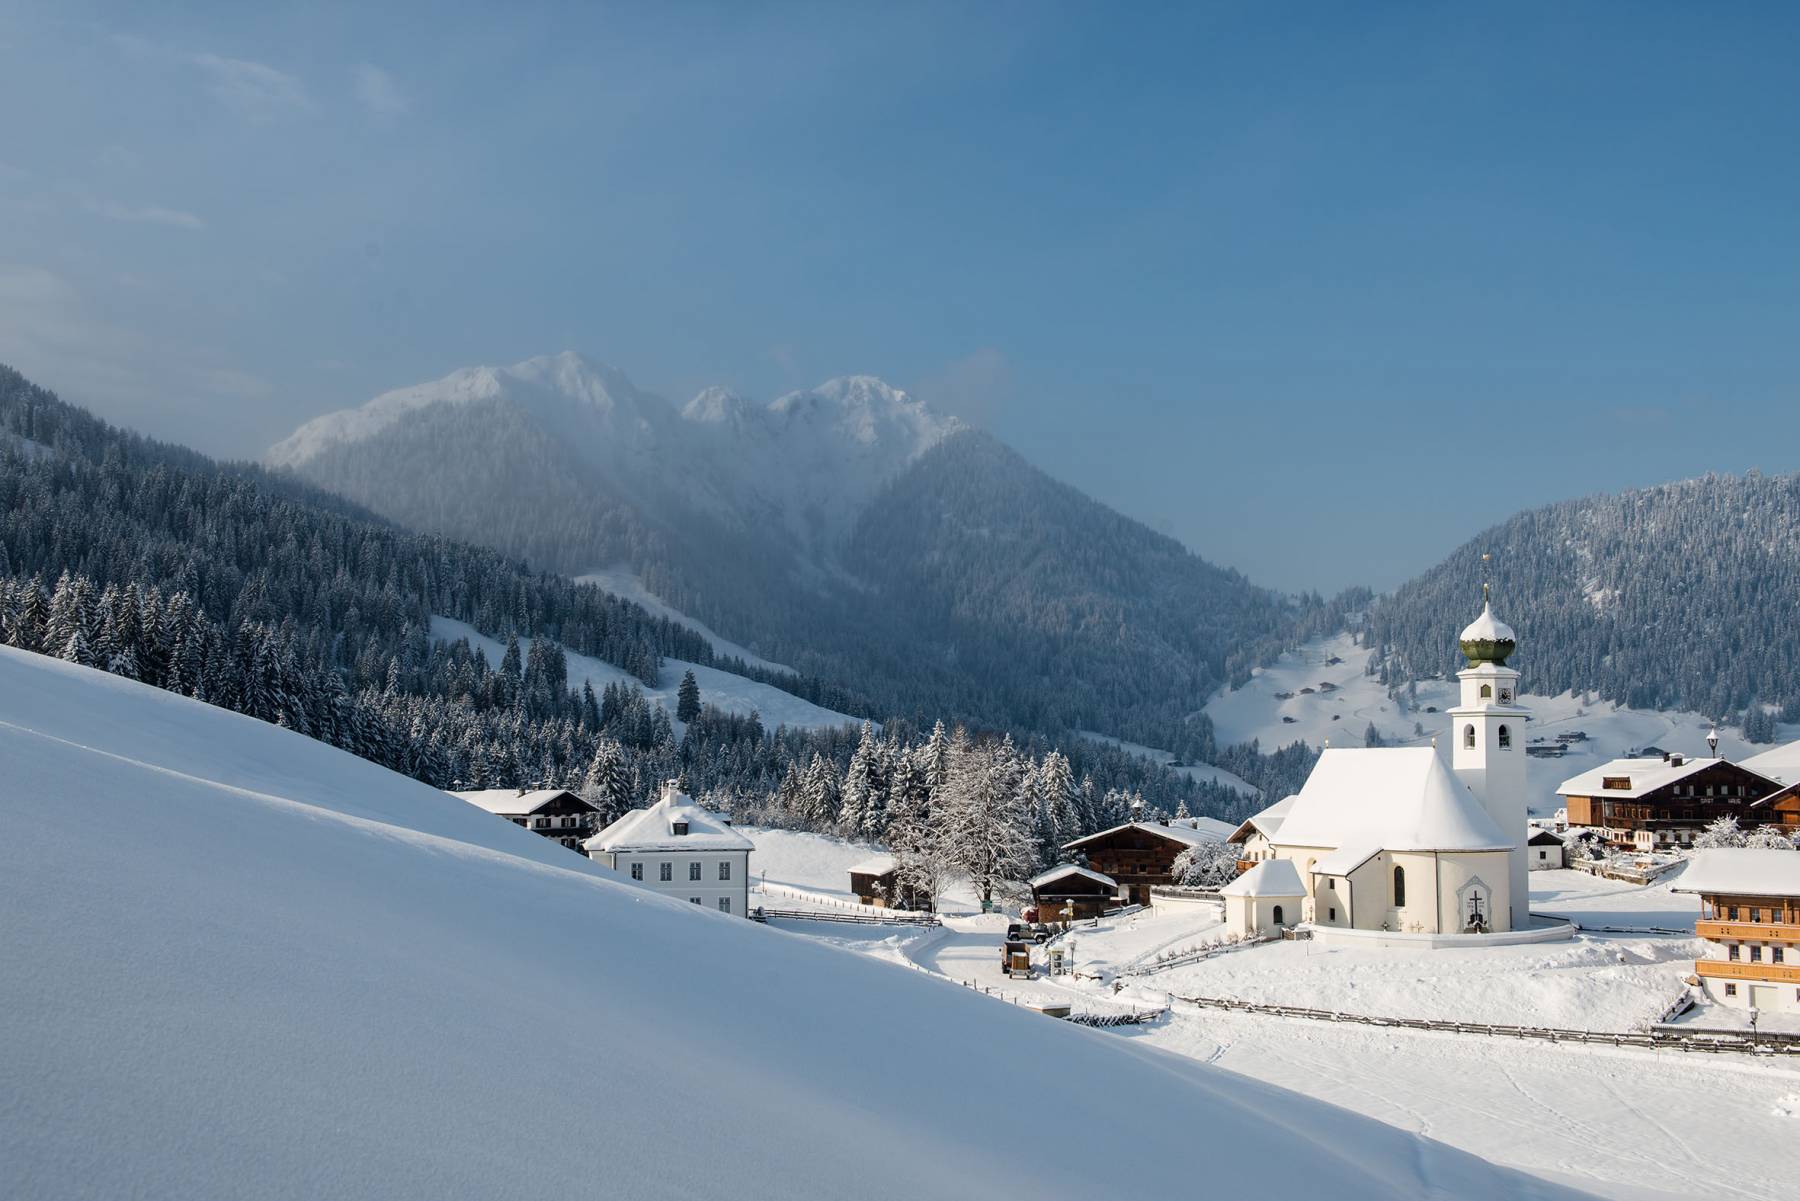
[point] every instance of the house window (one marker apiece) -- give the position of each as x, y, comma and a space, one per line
724, 869
679, 827
1333, 913
1331, 884
1278, 915
1755, 954
1731, 913
1469, 737
1731, 990
542, 823
695, 900
1399, 888
637, 871
1756, 913
724, 904
1776, 955
1505, 738
1731, 952
667, 873
694, 870
1487, 690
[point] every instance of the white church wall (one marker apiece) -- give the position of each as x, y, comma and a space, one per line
1422, 913
1463, 872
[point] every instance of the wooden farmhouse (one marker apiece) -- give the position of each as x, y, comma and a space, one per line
553, 812
1649, 804
1139, 855
1750, 918
1780, 809
1069, 892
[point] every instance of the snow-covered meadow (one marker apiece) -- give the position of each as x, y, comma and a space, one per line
239, 963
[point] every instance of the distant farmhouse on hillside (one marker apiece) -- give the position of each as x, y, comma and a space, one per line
553, 812
677, 848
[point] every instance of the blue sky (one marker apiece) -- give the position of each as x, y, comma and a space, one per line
1319, 289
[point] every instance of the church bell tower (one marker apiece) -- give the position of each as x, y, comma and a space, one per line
1487, 732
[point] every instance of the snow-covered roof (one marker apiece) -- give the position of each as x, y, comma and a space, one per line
878, 865
1266, 822
653, 829
1543, 837
1742, 871
1187, 836
510, 802
1393, 798
1346, 859
1781, 764
1270, 878
1487, 628
1070, 869
1645, 775
1219, 830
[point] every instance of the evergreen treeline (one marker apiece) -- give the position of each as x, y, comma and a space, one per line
1679, 596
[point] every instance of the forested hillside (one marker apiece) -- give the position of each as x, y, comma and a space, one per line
1683, 596
256, 593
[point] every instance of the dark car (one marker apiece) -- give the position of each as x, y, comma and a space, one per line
1017, 931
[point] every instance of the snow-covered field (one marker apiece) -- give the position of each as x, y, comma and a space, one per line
732, 693
621, 581
1344, 711
239, 963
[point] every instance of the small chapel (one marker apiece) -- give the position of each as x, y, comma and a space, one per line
1393, 838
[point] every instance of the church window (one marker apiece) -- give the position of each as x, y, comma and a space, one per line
1333, 913
1469, 737
1505, 738
1487, 690
1399, 888
1277, 915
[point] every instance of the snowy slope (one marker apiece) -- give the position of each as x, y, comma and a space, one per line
623, 582
1193, 771
259, 967
1344, 712
732, 693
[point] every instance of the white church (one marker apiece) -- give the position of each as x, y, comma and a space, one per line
1391, 839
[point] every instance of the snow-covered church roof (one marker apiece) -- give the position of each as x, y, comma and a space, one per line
654, 829
1392, 799
1266, 822
1270, 878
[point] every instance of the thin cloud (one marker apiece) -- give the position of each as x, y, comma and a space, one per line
380, 93
147, 214
251, 89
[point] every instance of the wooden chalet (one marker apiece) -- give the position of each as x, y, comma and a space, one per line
1650, 804
1750, 919
1138, 856
553, 812
1070, 892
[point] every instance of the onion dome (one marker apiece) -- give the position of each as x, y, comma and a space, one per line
1487, 639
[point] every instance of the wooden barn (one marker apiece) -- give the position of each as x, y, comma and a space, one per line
876, 881
1069, 893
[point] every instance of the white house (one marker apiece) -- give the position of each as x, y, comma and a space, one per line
1750, 919
1545, 851
1389, 838
1253, 836
680, 849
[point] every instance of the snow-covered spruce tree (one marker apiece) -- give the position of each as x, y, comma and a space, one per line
1206, 865
853, 805
687, 698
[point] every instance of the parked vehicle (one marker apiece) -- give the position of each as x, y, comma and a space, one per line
1040, 932
1015, 959
1016, 931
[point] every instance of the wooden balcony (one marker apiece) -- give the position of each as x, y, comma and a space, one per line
1765, 973
1751, 931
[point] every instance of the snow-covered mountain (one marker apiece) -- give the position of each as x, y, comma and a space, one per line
806, 463
240, 963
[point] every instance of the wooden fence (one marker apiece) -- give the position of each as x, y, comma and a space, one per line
891, 918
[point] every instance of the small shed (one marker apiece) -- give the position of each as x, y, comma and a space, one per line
1264, 900
876, 881
1069, 892
1544, 851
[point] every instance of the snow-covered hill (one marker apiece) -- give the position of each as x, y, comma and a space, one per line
1318, 691
239, 963
730, 692
623, 582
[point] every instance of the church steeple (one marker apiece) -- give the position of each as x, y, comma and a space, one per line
1488, 738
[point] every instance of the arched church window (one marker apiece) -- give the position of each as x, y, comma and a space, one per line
1505, 738
1277, 915
1469, 737
1487, 691
1399, 888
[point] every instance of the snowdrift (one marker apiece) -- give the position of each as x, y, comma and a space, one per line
239, 963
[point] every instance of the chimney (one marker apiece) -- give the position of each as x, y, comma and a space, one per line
1676, 760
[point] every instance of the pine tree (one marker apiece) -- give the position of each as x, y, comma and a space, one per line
687, 698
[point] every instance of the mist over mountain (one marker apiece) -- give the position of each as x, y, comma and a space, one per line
848, 530
1684, 595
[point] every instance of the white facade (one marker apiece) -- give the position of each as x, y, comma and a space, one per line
1488, 755
680, 850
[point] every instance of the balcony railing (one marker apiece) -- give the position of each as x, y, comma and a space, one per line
1768, 973
1753, 931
